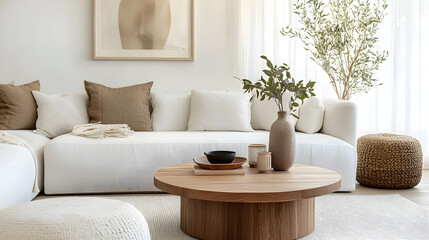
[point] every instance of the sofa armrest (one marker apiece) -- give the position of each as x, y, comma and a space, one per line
340, 120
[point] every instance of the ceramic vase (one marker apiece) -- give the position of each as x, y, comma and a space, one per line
282, 143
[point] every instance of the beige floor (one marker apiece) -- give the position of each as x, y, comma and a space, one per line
418, 194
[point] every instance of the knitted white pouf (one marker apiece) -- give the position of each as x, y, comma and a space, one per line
73, 218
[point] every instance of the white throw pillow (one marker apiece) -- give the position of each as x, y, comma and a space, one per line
219, 111
264, 113
58, 113
170, 111
311, 116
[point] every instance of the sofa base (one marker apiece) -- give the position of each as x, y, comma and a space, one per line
76, 165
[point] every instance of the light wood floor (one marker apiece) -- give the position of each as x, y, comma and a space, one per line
418, 194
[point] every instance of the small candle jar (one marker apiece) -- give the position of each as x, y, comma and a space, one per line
264, 161
253, 153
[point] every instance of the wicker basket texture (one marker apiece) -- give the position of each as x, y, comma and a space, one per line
389, 161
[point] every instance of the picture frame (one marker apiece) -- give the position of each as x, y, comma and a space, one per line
143, 30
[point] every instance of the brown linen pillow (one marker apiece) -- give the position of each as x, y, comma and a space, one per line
129, 105
18, 109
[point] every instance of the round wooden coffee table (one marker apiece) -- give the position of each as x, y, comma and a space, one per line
274, 205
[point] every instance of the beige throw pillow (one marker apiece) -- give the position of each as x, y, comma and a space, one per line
18, 109
129, 105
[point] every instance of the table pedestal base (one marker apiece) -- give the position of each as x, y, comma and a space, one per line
222, 220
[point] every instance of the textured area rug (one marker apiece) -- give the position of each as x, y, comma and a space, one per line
338, 216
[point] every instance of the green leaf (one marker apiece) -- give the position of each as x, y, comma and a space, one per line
269, 64
279, 71
268, 73
310, 84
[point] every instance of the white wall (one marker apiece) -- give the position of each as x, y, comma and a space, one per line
51, 41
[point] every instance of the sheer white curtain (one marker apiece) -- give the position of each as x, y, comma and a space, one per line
400, 105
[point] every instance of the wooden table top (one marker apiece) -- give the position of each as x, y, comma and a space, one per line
300, 182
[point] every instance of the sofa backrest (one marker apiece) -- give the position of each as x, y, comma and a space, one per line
340, 120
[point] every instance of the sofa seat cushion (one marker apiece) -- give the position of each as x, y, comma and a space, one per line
17, 170
81, 165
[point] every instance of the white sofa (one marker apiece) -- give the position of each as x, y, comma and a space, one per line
82, 165
17, 168
75, 165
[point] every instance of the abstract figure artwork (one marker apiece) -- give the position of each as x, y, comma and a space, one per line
143, 29
144, 24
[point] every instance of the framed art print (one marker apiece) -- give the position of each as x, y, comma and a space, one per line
144, 29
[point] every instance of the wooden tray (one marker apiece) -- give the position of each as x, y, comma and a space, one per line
203, 163
208, 172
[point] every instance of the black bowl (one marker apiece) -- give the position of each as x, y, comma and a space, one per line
219, 157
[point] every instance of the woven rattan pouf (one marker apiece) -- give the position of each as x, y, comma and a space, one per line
73, 218
389, 161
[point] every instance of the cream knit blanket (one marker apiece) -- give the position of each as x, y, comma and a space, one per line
97, 130
14, 140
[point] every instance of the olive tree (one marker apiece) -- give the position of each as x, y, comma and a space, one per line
340, 35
